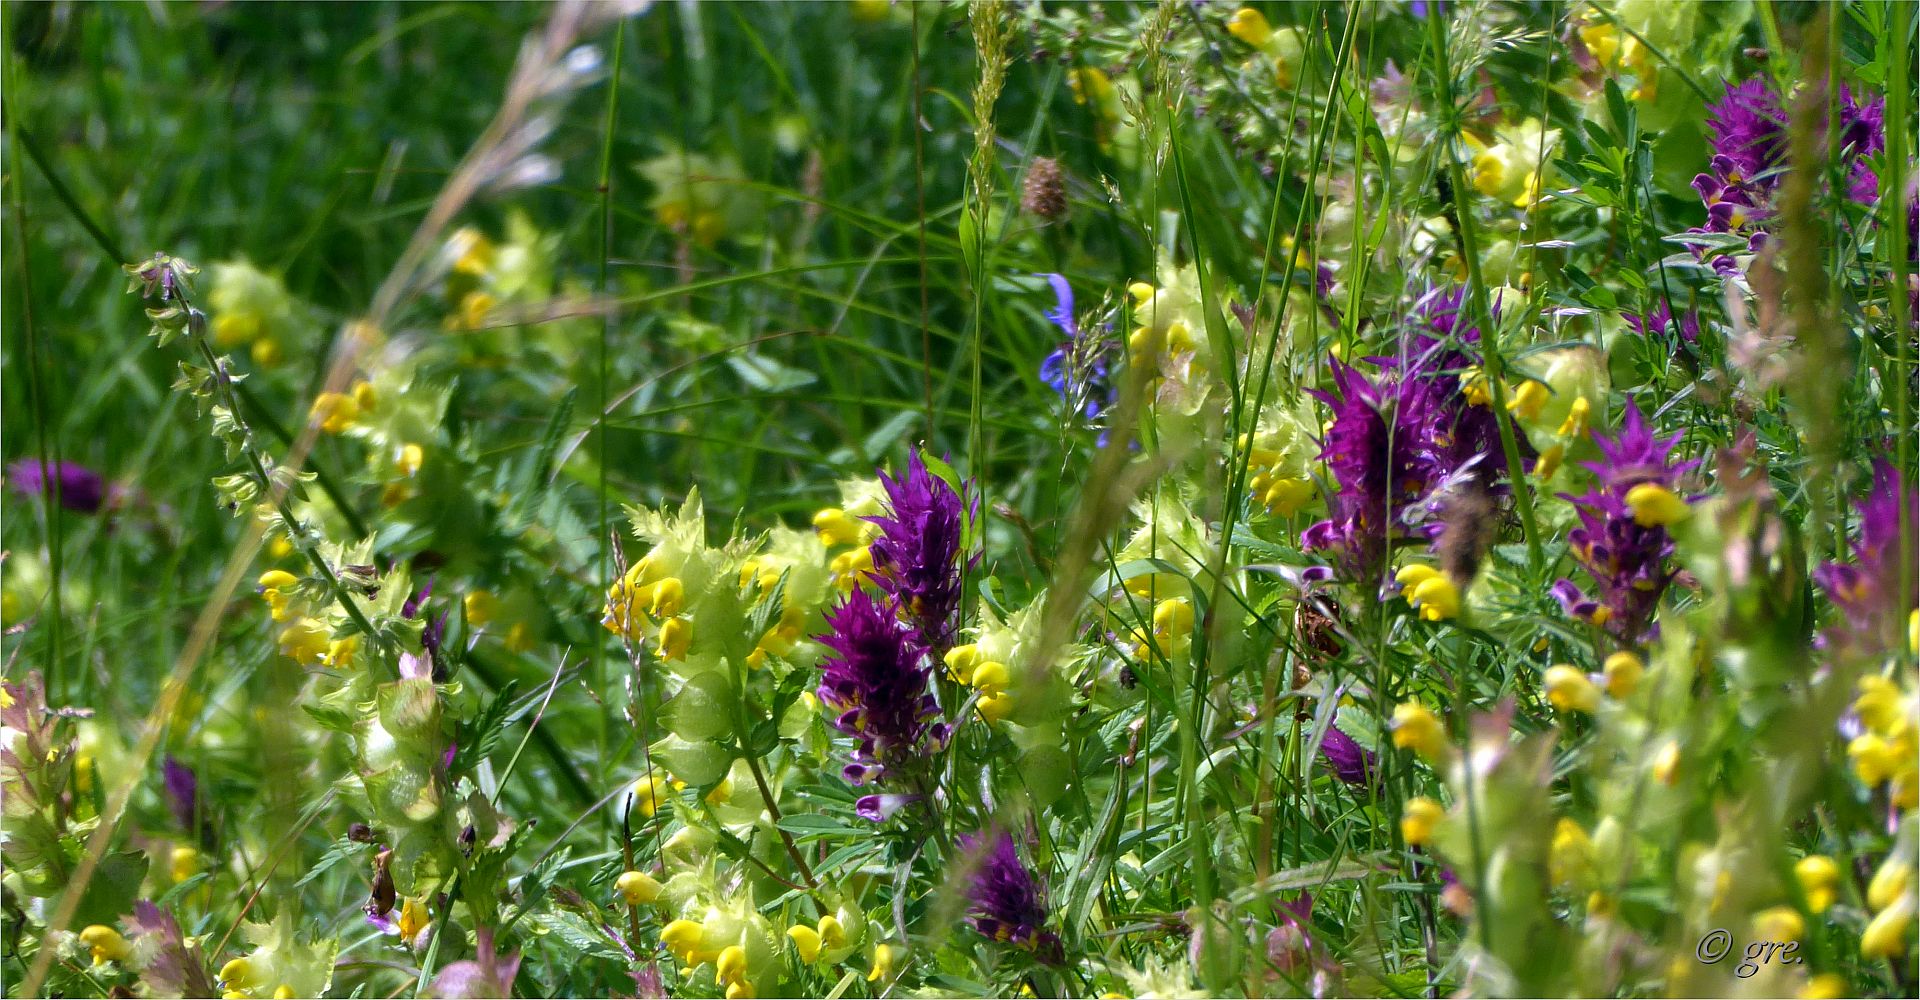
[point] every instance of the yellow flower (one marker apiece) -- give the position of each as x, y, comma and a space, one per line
238, 975
1889, 883
1886, 934
1819, 878
1250, 26
833, 934
676, 634
106, 944
1570, 858
649, 792
413, 918
474, 307
1089, 83
1654, 505
991, 678
731, 966
183, 863
1549, 462
334, 412
1173, 619
994, 707
1879, 704
277, 579
806, 943
305, 641
1779, 923
683, 938
1528, 400
1623, 671
1430, 591
835, 527
1874, 760
1418, 818
882, 963
850, 567
740, 989
1666, 762
637, 888
1576, 422
1569, 690
1417, 728
960, 662
1825, 986
481, 606
407, 463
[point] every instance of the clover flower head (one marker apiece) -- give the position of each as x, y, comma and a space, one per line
1748, 126
917, 558
1351, 762
1622, 540
1008, 901
81, 489
876, 684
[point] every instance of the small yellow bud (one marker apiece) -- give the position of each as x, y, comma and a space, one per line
1417, 728
1666, 762
1874, 760
960, 661
363, 395
682, 937
407, 463
739, 989
732, 963
1654, 505
1173, 618
1623, 671
835, 528
637, 888
1142, 293
882, 963
1779, 923
1436, 597
284, 991
1825, 986
413, 918
995, 707
806, 943
1569, 690
237, 974
648, 793
1889, 883
1418, 819
833, 935
334, 412
1886, 934
1528, 400
105, 943
1879, 704
1570, 857
1819, 877
1576, 422
1250, 26
183, 863
666, 598
481, 606
676, 635
991, 678
277, 579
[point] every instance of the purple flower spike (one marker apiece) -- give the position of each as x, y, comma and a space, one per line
917, 558
81, 489
1009, 904
1351, 762
183, 791
876, 685
1867, 589
1627, 560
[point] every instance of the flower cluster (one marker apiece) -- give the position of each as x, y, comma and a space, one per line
1078, 368
876, 682
917, 558
1622, 541
1008, 903
1867, 590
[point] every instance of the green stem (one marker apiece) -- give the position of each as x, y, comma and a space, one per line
1477, 304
